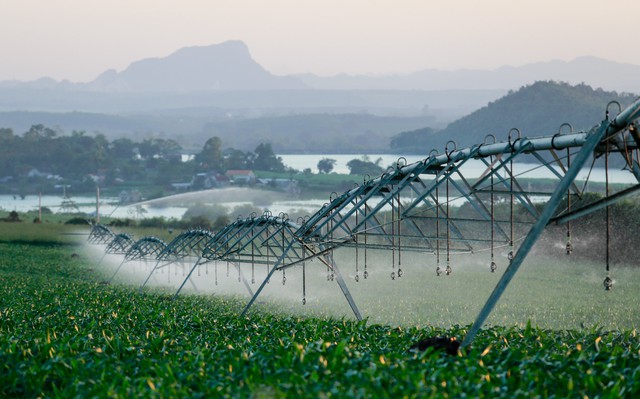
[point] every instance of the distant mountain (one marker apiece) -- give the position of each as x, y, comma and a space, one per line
538, 109
225, 66
593, 71
228, 66
444, 105
226, 78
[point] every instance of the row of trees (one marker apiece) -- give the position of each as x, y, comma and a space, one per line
74, 156
42, 158
361, 167
213, 157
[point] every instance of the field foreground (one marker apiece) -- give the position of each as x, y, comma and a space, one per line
63, 334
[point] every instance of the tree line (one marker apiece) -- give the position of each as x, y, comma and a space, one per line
42, 153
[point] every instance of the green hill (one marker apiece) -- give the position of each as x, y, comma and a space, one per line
536, 110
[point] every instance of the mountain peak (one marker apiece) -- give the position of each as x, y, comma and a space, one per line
597, 72
224, 66
230, 48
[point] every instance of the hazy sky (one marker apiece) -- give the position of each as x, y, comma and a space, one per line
79, 39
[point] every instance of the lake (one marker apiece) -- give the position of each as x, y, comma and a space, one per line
302, 161
472, 169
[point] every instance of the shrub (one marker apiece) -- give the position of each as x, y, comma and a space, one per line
122, 222
13, 217
77, 221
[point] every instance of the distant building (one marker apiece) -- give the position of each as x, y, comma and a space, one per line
202, 181
222, 180
36, 173
241, 177
96, 178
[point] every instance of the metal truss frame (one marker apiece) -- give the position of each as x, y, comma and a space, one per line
408, 208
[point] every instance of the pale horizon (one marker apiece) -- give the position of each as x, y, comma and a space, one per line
77, 40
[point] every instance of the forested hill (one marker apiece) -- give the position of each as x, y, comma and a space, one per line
536, 110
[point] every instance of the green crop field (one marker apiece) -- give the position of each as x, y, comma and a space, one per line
63, 333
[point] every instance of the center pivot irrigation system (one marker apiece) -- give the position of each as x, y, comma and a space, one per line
410, 209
